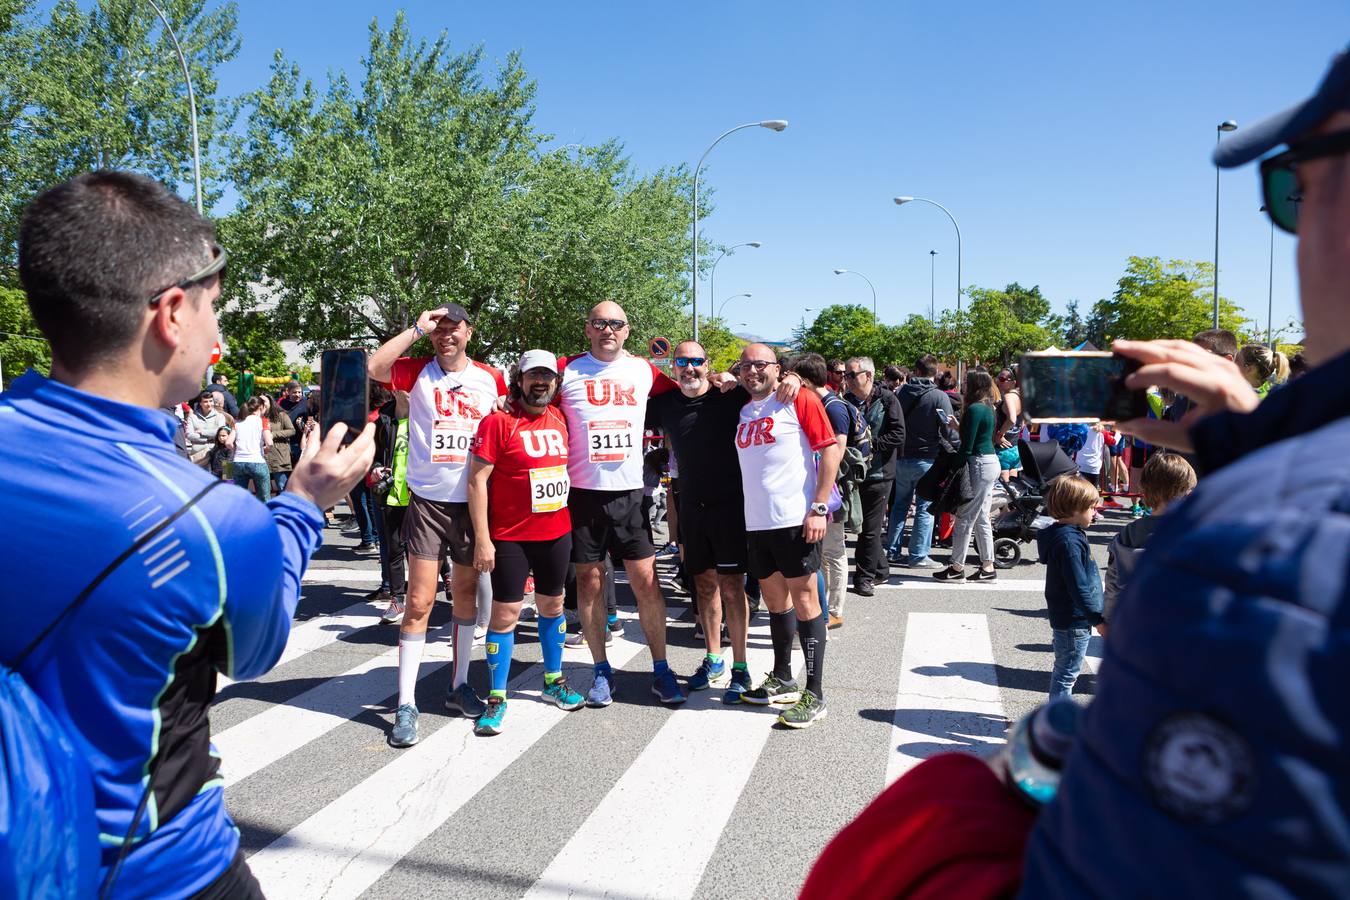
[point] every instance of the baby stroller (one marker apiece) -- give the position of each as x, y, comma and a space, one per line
1023, 514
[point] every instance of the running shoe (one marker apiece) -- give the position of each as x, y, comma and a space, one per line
529, 584
740, 683
562, 696
490, 722
808, 710
835, 622
367, 547
380, 595
983, 575
464, 701
895, 557
923, 562
666, 688
772, 690
950, 574
528, 613
394, 614
405, 727
706, 674
600, 693
615, 627
578, 638
479, 633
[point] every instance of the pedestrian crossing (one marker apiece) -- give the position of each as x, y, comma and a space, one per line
644, 801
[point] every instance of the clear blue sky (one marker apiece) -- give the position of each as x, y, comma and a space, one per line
1064, 137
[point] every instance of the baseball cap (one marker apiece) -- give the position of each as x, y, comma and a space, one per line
455, 311
537, 359
1332, 95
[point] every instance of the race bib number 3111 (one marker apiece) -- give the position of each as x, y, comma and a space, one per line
610, 440
451, 440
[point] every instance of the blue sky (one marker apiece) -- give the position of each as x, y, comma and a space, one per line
1063, 137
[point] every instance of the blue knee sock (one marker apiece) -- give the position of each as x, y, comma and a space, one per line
499, 647
552, 631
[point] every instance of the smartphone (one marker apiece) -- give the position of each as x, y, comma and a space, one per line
1088, 386
344, 391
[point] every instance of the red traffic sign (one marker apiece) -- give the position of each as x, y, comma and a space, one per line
215, 353
659, 347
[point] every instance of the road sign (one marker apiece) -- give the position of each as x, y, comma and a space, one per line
215, 354
659, 347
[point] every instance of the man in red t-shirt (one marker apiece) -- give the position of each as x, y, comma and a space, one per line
518, 491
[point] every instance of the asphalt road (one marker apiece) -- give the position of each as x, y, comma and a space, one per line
636, 800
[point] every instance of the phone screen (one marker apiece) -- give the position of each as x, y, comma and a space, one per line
1079, 387
344, 391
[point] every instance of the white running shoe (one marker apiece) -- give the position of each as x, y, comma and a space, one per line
394, 614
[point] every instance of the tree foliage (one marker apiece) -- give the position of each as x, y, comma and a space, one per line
21, 344
249, 343
1156, 299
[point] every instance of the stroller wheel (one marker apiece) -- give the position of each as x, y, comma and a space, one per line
1007, 553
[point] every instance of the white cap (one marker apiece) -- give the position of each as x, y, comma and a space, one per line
538, 359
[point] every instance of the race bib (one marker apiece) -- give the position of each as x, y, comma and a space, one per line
610, 440
548, 489
451, 440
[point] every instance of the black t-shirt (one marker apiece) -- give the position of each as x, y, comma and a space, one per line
701, 432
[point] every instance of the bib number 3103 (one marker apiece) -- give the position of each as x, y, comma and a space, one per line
548, 489
451, 440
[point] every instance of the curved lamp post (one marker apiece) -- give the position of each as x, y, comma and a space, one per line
772, 125
901, 201
932, 286
1226, 125
712, 273
192, 103
728, 300
869, 284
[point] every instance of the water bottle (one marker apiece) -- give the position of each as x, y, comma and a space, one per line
1037, 748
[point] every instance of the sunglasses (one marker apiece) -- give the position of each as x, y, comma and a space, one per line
215, 267
683, 361
840, 372
759, 365
611, 324
1279, 180
854, 376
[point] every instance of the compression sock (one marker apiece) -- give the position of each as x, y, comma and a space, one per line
740, 667
714, 658
602, 668
659, 666
410, 648
781, 627
611, 619
811, 633
499, 647
461, 637
552, 632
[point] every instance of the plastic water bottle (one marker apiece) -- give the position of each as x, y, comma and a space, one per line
1037, 748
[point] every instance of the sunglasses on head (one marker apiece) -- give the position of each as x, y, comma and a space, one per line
611, 324
683, 361
1279, 176
215, 267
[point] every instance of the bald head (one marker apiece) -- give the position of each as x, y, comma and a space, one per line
691, 368
607, 328
759, 370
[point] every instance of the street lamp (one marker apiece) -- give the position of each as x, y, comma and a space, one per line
1270, 289
728, 300
712, 275
932, 289
901, 201
869, 284
772, 125
1226, 125
192, 103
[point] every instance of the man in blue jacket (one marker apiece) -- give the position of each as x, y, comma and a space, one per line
1213, 761
121, 276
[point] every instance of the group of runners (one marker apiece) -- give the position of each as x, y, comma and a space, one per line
521, 476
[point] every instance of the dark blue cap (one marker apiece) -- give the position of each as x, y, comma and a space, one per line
1333, 94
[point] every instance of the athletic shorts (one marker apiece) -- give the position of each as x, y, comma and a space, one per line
432, 529
781, 550
605, 521
548, 560
714, 537
1009, 459
673, 502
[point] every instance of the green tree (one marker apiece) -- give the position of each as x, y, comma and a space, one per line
1156, 299
1004, 324
723, 347
840, 331
21, 344
1072, 328
249, 344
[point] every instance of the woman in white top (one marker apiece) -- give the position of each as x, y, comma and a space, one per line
251, 438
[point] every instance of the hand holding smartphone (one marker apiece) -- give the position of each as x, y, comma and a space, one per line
344, 394
1076, 386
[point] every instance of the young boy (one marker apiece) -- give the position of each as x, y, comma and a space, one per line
1073, 587
1166, 478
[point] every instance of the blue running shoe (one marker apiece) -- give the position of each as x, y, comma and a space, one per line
707, 673
562, 696
465, 702
490, 722
740, 683
600, 693
405, 727
666, 688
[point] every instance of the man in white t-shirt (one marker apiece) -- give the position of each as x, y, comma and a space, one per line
789, 458
448, 394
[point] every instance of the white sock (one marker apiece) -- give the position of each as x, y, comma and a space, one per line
461, 635
410, 648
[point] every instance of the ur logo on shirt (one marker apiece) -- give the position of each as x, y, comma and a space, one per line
456, 403
606, 392
545, 442
755, 432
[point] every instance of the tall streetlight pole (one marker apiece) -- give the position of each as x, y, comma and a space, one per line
728, 300
192, 103
712, 274
1270, 290
869, 284
932, 286
901, 201
772, 125
1226, 125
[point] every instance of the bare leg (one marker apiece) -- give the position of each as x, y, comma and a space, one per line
737, 610
710, 610
591, 606
651, 605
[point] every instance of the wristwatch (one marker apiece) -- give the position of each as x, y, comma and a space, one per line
819, 509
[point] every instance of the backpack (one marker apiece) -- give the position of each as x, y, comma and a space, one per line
49, 843
1070, 436
853, 467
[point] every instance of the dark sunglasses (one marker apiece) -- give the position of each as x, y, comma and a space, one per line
612, 324
1279, 179
683, 361
840, 372
215, 267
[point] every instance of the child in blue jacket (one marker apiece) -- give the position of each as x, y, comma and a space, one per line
1073, 585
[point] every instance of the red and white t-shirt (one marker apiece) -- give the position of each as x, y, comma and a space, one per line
776, 443
443, 415
606, 405
527, 493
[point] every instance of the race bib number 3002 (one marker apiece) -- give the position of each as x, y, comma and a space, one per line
548, 489
610, 440
451, 440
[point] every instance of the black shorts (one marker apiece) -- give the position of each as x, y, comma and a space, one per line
605, 521
714, 537
432, 529
517, 559
673, 502
782, 550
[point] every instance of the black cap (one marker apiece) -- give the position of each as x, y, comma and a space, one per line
455, 311
1332, 95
